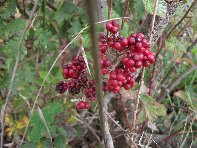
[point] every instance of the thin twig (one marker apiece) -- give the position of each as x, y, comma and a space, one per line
98, 77
125, 112
125, 12
109, 14
15, 69
89, 127
175, 83
137, 100
109, 8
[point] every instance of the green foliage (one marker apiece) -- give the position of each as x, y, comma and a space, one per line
49, 113
8, 9
161, 7
152, 108
11, 28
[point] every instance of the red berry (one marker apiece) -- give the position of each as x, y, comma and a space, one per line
151, 58
132, 48
140, 35
104, 71
138, 45
107, 63
124, 42
120, 77
129, 63
71, 72
124, 60
127, 87
118, 46
146, 63
138, 64
117, 88
86, 105
114, 29
109, 26
132, 69
131, 40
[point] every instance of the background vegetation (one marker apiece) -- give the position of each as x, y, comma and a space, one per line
35, 37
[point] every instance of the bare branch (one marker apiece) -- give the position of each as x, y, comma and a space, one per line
98, 80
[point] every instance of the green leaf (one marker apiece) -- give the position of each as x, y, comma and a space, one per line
11, 28
35, 134
29, 145
60, 142
8, 9
43, 74
152, 108
161, 7
75, 27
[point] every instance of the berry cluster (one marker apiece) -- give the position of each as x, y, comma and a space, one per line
76, 76
119, 78
131, 54
82, 105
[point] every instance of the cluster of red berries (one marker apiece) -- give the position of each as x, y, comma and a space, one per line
82, 105
119, 78
77, 81
132, 53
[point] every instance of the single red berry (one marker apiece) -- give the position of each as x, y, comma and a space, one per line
124, 42
138, 64
120, 77
145, 63
86, 105
138, 45
131, 40
125, 59
118, 46
107, 63
114, 29
117, 88
129, 63
151, 58
132, 47
132, 69
127, 87
71, 72
109, 26
140, 35
104, 71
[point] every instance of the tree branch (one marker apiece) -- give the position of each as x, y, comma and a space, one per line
98, 79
